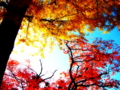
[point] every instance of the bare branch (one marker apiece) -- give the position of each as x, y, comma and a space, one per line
41, 68
49, 77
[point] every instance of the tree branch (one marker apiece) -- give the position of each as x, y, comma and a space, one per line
17, 79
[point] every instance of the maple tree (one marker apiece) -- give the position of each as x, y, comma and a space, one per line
50, 20
92, 65
23, 78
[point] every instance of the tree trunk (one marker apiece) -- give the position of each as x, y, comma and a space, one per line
9, 29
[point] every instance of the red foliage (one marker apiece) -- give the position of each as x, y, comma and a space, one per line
91, 68
92, 65
24, 78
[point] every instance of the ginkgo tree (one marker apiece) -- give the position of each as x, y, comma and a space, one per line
41, 22
92, 66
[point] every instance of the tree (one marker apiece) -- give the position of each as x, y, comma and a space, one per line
24, 78
92, 65
12, 20
56, 19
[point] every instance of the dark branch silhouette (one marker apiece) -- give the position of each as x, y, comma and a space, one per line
92, 63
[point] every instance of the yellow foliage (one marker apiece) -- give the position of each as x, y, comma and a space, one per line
119, 27
104, 32
53, 20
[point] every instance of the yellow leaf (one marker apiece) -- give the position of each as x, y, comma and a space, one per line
104, 32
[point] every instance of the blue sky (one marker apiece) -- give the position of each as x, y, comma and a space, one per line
113, 35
